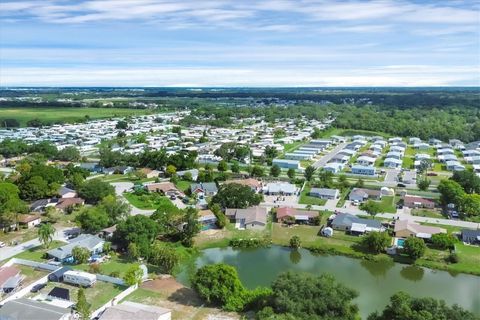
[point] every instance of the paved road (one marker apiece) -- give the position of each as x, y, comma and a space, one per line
403, 216
8, 252
120, 187
323, 161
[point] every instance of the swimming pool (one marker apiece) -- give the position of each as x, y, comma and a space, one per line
400, 242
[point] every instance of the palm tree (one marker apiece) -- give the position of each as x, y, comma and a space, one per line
45, 234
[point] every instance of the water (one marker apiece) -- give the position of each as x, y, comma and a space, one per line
374, 281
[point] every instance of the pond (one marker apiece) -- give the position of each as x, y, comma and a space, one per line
374, 281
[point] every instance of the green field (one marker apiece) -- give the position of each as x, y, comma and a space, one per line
53, 115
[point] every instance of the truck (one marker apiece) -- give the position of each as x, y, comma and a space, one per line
80, 278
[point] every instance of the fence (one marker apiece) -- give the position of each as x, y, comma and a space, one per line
113, 280
30, 263
114, 301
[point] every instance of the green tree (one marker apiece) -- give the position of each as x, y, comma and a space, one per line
116, 209
34, 188
122, 124
414, 247
342, 182
275, 170
235, 167
309, 171
360, 183
470, 204
291, 173
93, 219
376, 241
138, 229
326, 179
450, 192
10, 203
45, 234
305, 296
423, 183
404, 307
234, 195
371, 207
222, 166
316, 134
271, 152
82, 306
163, 256
68, 154
443, 241
257, 171
468, 179
219, 284
95, 190
191, 226
221, 218
295, 242
80, 254
171, 170
133, 275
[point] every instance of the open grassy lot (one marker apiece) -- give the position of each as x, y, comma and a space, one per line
53, 115
37, 253
306, 199
388, 204
427, 213
147, 201
469, 259
31, 274
21, 235
183, 185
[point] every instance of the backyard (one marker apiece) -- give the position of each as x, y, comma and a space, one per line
306, 199
148, 201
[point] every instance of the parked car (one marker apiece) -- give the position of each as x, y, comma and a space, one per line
38, 287
173, 197
401, 185
2, 244
432, 174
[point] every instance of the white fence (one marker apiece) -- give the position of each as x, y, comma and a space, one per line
114, 301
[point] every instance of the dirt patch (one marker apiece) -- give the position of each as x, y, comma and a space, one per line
166, 285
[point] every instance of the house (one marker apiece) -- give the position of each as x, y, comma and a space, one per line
122, 169
107, 233
455, 166
131, 310
205, 188
362, 194
23, 308
207, 219
365, 160
249, 218
254, 184
287, 164
418, 202
364, 170
10, 278
392, 163
193, 173
280, 188
471, 236
166, 188
300, 216
57, 275
65, 203
340, 158
39, 205
354, 224
333, 167
29, 220
94, 244
65, 192
299, 156
324, 193
405, 229
394, 155
149, 173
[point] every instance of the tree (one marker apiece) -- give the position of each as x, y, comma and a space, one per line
414, 247
171, 170
10, 203
122, 124
234, 195
45, 148
371, 207
34, 188
450, 192
163, 256
425, 164
45, 234
317, 133
82, 306
468, 179
326, 179
309, 171
138, 229
257, 171
94, 190
80, 254
271, 152
291, 173
404, 307
423, 183
275, 170
235, 167
376, 241
68, 154
191, 226
93, 219
219, 284
116, 209
295, 242
360, 183
305, 296
342, 182
222, 166
443, 241
221, 218
133, 276
470, 204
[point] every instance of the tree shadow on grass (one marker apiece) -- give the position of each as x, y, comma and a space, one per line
187, 297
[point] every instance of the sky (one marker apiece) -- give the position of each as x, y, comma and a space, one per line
227, 43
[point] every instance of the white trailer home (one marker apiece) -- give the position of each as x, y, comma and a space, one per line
80, 278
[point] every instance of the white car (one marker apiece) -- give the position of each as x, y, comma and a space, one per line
2, 244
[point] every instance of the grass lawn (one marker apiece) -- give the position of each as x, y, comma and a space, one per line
183, 185
289, 147
306, 199
21, 235
388, 204
31, 274
55, 114
469, 259
148, 201
427, 213
343, 197
37, 253
408, 162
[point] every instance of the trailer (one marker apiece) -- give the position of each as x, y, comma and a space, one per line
80, 278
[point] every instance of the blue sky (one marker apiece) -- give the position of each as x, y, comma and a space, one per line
239, 43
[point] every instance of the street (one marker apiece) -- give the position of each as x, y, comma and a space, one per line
323, 161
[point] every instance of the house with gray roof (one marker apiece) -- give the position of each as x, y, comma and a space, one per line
93, 243
207, 188
248, 218
325, 193
128, 310
354, 224
21, 309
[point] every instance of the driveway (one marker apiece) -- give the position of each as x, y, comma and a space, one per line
391, 176
323, 161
